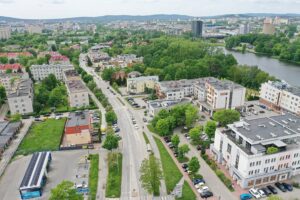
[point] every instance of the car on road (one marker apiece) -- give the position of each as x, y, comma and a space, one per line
280, 186
262, 193
272, 189
245, 196
266, 191
198, 180
287, 186
254, 193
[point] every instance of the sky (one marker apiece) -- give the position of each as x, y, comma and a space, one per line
45, 9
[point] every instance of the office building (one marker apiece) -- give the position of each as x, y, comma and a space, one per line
5, 32
279, 95
157, 105
197, 28
20, 98
138, 85
259, 151
40, 72
244, 29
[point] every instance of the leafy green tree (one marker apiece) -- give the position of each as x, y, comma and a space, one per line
210, 128
65, 191
195, 133
3, 60
2, 94
182, 150
111, 142
91, 85
162, 127
175, 141
89, 62
56, 97
225, 117
16, 117
50, 82
194, 165
151, 174
111, 117
191, 115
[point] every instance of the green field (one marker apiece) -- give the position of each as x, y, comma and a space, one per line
42, 136
93, 176
114, 179
172, 175
187, 193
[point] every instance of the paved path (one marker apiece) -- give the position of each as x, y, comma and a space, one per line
212, 181
10, 151
3, 110
103, 172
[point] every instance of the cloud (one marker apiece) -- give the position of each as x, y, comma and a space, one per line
57, 1
6, 1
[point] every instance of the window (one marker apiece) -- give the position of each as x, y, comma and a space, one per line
258, 181
273, 178
266, 169
266, 179
229, 148
296, 155
251, 172
250, 183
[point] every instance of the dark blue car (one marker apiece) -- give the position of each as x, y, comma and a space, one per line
245, 196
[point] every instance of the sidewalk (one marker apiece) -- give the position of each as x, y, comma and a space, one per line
103, 172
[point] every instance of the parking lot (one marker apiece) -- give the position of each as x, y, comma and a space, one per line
64, 166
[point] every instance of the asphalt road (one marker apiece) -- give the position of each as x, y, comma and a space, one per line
133, 146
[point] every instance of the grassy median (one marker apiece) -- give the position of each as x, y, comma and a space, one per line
187, 193
172, 174
114, 179
93, 175
42, 136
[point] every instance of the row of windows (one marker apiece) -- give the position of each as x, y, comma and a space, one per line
296, 162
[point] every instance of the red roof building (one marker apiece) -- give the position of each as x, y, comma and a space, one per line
14, 67
15, 55
59, 60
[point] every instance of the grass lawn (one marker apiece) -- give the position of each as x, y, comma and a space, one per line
171, 173
42, 136
114, 179
151, 128
146, 138
93, 176
187, 193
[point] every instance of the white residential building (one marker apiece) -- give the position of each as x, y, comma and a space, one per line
77, 91
11, 80
5, 32
278, 95
243, 148
40, 72
138, 85
20, 98
34, 28
211, 94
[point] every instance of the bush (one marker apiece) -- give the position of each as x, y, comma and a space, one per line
272, 150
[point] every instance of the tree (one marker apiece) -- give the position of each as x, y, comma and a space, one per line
65, 191
210, 128
16, 117
3, 60
182, 150
225, 117
111, 141
89, 62
50, 82
2, 94
53, 47
162, 127
56, 97
194, 133
191, 114
194, 165
271, 150
151, 174
175, 141
8, 71
111, 117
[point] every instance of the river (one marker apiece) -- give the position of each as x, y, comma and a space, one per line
284, 71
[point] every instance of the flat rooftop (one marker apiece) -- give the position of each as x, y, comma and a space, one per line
269, 128
23, 88
76, 86
166, 103
79, 118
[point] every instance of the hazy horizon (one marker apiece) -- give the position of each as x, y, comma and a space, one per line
54, 9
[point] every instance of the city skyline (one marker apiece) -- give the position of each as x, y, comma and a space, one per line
49, 9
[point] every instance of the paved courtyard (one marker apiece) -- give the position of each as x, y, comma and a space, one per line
64, 166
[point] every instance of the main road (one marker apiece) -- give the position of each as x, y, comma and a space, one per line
133, 145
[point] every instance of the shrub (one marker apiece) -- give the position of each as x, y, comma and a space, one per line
272, 150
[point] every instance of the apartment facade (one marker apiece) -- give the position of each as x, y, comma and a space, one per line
243, 148
77, 91
40, 72
5, 32
210, 93
138, 85
10, 80
20, 98
278, 95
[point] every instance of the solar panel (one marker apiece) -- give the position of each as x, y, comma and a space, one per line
37, 172
29, 170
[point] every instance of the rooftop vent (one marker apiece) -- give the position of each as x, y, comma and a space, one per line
284, 121
246, 128
287, 132
273, 134
262, 125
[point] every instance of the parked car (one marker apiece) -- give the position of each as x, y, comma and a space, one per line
254, 193
272, 189
198, 180
245, 196
287, 186
206, 194
185, 165
262, 193
280, 186
144, 120
266, 191
199, 147
167, 139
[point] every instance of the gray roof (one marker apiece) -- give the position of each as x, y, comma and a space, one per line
166, 103
76, 86
23, 88
267, 129
78, 118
